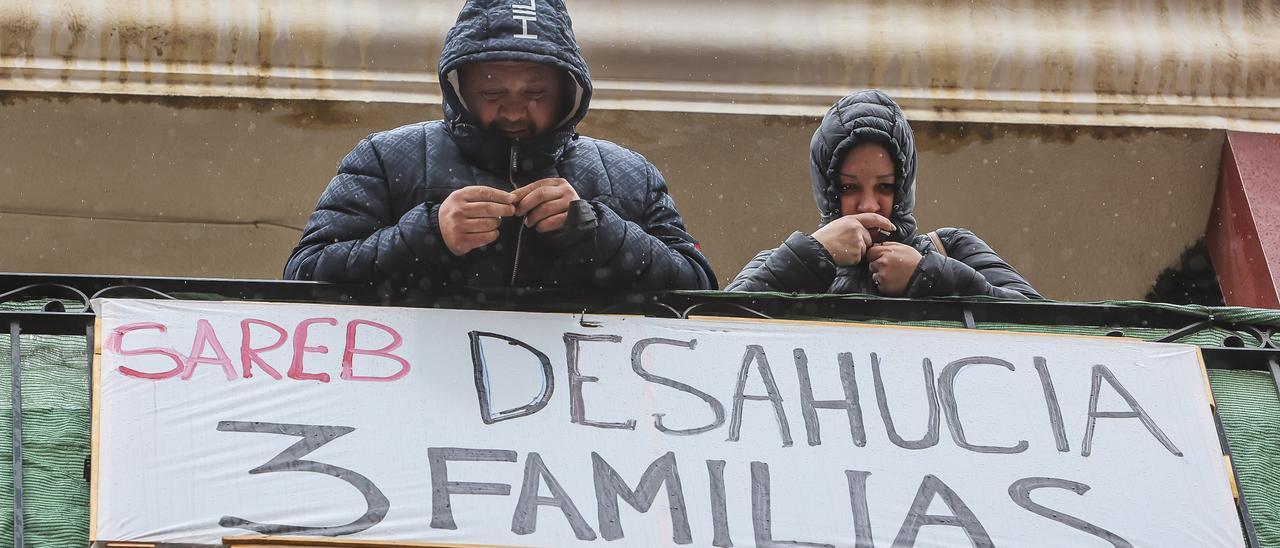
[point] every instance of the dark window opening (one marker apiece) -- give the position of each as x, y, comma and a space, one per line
1192, 281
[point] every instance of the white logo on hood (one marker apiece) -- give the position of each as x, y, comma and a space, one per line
525, 14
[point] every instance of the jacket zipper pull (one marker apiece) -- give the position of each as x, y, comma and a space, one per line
511, 169
511, 178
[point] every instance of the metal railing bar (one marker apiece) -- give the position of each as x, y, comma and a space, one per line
49, 323
125, 288
1241, 359
286, 290
1262, 334
15, 397
1274, 365
89, 354
84, 299
841, 307
855, 307
1186, 331
687, 311
1242, 506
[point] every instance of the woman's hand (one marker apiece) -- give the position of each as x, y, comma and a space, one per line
892, 265
848, 238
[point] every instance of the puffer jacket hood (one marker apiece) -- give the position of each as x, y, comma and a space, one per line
865, 116
953, 261
537, 31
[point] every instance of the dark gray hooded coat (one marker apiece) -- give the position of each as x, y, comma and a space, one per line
378, 220
802, 265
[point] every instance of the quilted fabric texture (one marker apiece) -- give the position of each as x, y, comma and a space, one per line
802, 265
865, 116
378, 220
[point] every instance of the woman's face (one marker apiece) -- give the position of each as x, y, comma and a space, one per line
867, 181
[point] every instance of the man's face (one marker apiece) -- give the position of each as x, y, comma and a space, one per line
518, 99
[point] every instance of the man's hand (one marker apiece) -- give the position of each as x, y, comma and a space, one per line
470, 216
545, 203
848, 237
892, 265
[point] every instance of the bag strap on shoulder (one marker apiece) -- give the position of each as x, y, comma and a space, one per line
937, 243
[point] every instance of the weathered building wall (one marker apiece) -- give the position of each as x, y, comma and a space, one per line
219, 187
192, 137
1168, 63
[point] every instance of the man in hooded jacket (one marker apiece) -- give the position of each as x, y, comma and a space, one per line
842, 256
502, 192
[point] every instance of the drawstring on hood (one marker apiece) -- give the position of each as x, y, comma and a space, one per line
865, 116
538, 31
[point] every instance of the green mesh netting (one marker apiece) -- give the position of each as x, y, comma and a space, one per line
55, 419
55, 439
1250, 410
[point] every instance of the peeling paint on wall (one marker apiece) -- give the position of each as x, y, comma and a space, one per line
1087, 62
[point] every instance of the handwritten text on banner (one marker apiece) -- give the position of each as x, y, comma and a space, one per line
220, 419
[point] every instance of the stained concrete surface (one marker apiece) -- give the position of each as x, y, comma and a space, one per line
177, 186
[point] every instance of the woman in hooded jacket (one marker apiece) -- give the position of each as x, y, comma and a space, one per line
863, 170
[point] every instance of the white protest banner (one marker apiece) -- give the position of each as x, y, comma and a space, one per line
225, 419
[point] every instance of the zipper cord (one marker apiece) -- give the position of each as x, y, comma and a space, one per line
511, 178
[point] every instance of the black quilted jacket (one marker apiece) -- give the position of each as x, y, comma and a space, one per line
802, 265
378, 220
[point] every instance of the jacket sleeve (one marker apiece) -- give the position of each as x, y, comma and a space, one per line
656, 254
971, 267
799, 265
356, 235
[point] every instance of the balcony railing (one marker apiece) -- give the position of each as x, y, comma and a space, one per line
50, 346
